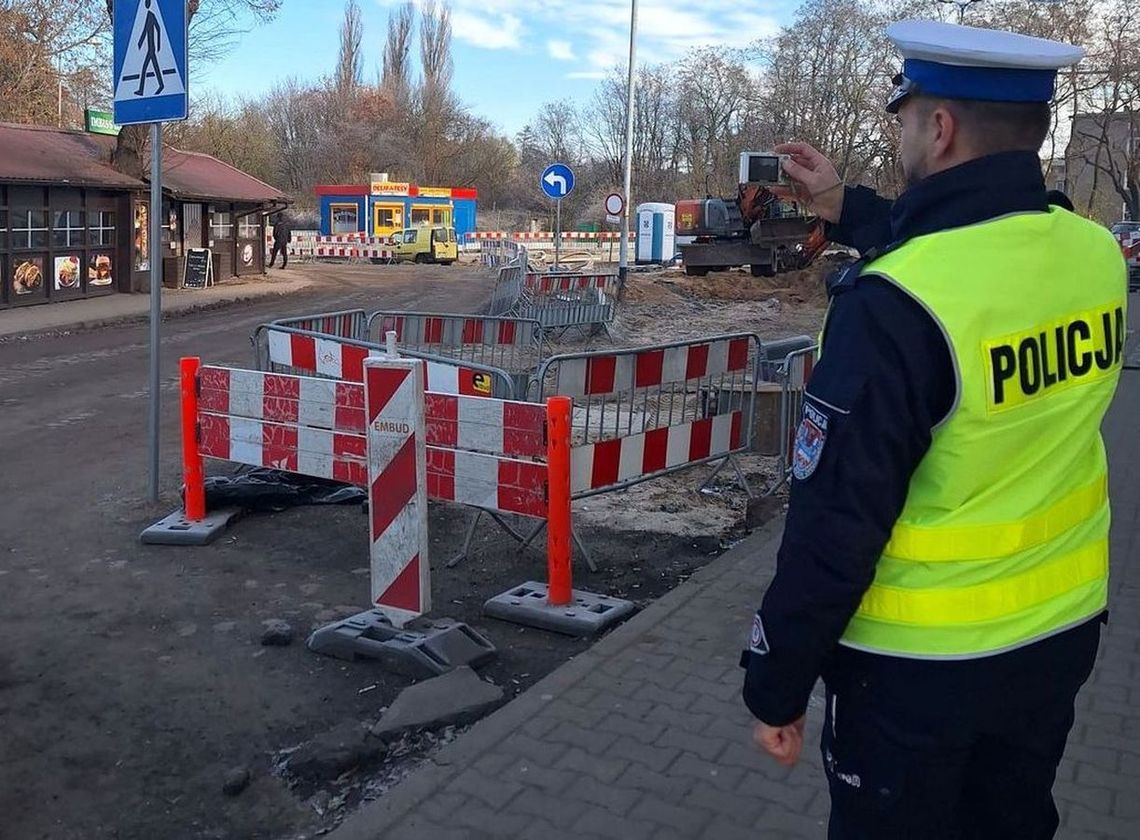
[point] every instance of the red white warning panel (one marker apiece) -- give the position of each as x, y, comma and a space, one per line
336, 358
397, 482
302, 425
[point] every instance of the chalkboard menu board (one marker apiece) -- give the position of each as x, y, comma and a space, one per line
198, 271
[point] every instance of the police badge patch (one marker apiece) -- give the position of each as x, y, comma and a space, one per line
758, 642
810, 438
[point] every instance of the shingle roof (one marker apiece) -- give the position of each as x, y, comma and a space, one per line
40, 154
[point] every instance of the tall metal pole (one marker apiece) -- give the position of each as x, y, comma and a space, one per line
154, 252
558, 233
623, 252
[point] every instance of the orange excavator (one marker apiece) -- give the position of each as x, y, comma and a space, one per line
755, 229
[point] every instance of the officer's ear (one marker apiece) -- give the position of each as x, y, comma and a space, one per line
945, 132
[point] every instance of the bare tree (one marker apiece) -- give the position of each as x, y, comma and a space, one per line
350, 61
655, 130
396, 75
437, 108
214, 25
1106, 137
52, 57
713, 96
295, 116
826, 79
435, 45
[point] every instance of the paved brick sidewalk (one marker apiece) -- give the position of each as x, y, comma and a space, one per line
645, 736
112, 309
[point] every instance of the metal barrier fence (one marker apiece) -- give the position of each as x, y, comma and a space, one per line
508, 287
285, 349
794, 372
561, 301
515, 345
348, 323
309, 245
647, 411
500, 251
488, 454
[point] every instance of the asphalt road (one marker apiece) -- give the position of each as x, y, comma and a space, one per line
122, 683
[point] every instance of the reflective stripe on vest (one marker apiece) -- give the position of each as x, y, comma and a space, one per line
1003, 539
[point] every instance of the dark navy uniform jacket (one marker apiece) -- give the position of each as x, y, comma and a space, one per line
885, 380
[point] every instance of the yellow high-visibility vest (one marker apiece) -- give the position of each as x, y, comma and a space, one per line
1004, 536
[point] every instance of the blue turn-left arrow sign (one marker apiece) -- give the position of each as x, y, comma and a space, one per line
557, 180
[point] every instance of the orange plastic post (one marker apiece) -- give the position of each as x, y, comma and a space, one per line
559, 548
193, 472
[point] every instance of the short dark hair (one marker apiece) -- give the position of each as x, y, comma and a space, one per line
993, 127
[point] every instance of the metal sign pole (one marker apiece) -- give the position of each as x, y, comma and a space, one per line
154, 251
558, 232
623, 248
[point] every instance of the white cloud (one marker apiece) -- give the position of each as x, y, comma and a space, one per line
489, 31
560, 50
595, 33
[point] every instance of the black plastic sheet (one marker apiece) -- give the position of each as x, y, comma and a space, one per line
263, 490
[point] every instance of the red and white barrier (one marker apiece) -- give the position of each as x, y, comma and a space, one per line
476, 452
397, 488
423, 329
551, 283
620, 460
1130, 245
316, 427
356, 252
548, 236
604, 374
338, 359
514, 429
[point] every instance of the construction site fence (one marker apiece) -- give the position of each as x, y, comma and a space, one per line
494, 253
644, 412
793, 374
574, 236
638, 413
488, 454
509, 282
515, 345
311, 245
562, 301
281, 348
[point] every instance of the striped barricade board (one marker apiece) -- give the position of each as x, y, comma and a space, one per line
639, 457
329, 356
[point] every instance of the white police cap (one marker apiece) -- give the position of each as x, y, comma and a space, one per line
965, 62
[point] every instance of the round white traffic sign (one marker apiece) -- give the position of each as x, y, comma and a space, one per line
614, 204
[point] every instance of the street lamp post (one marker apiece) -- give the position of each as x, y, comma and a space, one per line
623, 252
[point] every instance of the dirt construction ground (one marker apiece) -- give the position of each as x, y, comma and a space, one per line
132, 678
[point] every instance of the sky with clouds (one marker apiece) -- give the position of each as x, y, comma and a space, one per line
510, 55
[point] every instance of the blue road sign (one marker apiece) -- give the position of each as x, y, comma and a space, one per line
557, 180
150, 61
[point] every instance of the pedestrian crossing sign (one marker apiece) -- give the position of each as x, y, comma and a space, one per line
150, 61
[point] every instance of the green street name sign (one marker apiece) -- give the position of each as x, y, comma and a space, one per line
101, 122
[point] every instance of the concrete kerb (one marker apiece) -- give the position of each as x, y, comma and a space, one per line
376, 817
120, 309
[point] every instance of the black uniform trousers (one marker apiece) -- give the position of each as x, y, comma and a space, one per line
951, 750
279, 248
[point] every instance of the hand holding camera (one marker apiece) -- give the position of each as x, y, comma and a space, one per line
800, 173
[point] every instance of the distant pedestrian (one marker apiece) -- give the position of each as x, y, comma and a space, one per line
282, 236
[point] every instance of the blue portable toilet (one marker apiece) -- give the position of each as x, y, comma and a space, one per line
656, 239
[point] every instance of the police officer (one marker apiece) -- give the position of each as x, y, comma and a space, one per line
945, 556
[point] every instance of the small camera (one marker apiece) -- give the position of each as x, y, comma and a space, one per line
762, 168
